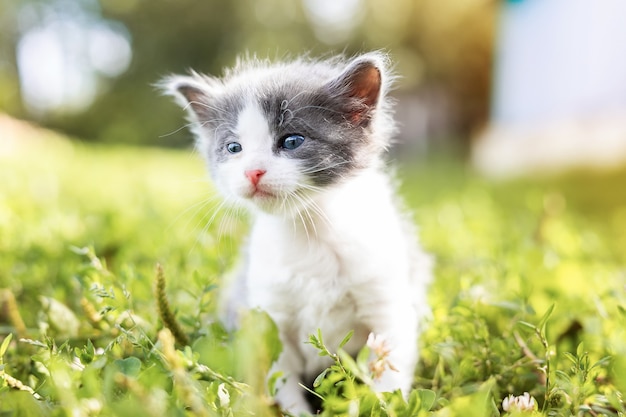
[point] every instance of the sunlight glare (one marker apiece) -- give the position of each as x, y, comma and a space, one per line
62, 60
334, 20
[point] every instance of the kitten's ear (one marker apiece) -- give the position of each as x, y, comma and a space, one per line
193, 92
361, 83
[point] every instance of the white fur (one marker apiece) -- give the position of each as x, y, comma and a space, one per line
350, 263
358, 269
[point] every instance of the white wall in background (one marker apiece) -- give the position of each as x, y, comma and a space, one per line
559, 86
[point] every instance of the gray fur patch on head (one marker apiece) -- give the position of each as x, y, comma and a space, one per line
331, 147
339, 105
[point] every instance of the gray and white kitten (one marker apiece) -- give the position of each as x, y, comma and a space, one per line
300, 144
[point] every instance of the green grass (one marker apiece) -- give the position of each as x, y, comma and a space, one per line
529, 293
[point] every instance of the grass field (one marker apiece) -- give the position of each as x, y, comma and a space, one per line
530, 293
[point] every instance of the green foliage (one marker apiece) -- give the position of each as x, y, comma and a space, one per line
529, 295
346, 388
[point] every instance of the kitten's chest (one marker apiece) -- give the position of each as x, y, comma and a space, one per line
355, 242
303, 277
307, 293
296, 267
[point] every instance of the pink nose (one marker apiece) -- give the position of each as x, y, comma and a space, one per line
254, 175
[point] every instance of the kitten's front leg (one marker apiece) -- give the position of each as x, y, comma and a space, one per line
290, 394
400, 362
394, 322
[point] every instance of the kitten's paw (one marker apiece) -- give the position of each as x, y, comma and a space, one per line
298, 409
291, 398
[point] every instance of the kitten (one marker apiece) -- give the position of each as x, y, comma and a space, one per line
300, 144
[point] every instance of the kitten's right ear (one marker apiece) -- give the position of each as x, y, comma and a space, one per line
192, 92
361, 83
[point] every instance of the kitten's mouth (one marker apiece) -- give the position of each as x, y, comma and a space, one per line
261, 193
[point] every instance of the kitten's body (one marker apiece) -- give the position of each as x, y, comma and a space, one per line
328, 249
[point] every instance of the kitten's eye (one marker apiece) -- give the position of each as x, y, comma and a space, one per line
234, 147
290, 142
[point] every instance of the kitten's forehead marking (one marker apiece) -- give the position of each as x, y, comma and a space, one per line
252, 126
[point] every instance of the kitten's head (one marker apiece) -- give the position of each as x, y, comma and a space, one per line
276, 135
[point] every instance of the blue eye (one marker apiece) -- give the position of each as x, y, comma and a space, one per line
234, 147
290, 142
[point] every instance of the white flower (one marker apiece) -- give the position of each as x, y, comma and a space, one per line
91, 405
520, 403
378, 345
223, 396
380, 361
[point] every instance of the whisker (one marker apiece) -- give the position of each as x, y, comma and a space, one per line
196, 207
207, 225
203, 104
220, 126
321, 167
328, 109
173, 132
297, 95
227, 220
307, 213
304, 122
286, 207
292, 196
310, 203
317, 209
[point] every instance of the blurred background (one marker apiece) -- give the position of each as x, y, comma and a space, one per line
521, 85
87, 67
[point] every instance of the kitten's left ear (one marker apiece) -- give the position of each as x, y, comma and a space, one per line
361, 82
193, 92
